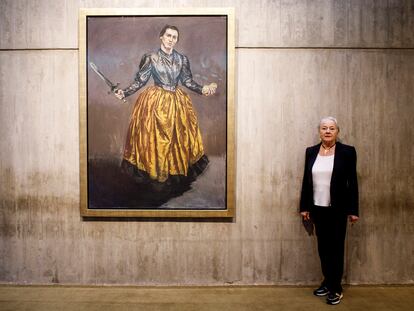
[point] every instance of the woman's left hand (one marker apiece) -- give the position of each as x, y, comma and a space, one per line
353, 219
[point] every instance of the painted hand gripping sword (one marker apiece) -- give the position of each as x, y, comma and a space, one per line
113, 87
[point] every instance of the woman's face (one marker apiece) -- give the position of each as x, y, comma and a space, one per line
328, 132
169, 39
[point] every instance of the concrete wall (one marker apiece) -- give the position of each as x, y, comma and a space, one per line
296, 61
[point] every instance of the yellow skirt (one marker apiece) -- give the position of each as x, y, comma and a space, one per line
163, 137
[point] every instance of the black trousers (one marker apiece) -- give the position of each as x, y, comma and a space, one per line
330, 227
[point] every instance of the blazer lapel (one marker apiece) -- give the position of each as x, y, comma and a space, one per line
312, 158
337, 161
313, 155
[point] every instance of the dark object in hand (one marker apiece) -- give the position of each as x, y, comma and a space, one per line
308, 225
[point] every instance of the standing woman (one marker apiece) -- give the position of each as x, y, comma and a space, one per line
163, 143
329, 197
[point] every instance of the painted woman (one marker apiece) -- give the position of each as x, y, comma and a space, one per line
164, 144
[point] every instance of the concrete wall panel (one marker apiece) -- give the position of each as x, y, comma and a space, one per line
369, 91
263, 23
281, 94
39, 117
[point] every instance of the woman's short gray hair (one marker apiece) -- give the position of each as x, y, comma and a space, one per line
325, 119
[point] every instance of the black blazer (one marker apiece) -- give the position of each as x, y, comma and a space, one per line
344, 184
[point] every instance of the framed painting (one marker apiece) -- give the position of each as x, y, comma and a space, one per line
157, 112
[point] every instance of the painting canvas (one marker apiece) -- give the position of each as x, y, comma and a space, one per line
156, 113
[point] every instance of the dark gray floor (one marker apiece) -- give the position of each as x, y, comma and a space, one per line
44, 298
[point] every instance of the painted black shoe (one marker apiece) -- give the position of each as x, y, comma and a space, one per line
334, 298
321, 291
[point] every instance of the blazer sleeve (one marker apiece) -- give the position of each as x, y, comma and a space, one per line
353, 205
305, 196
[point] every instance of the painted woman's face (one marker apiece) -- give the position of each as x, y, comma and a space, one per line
169, 39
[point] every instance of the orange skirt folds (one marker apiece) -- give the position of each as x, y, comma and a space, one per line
163, 137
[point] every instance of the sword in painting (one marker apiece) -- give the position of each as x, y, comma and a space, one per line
113, 87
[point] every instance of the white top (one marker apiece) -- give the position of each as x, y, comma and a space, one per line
321, 175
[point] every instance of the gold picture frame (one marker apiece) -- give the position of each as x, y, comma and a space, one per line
115, 45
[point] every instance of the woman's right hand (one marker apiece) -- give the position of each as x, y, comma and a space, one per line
119, 94
305, 215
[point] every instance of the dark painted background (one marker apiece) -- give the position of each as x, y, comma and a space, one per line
116, 45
